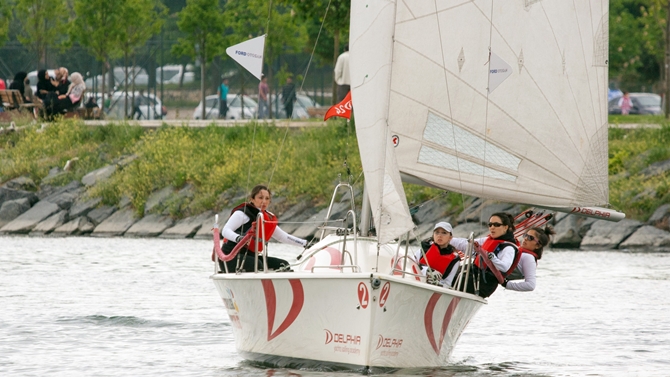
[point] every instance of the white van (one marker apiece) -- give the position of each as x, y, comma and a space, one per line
151, 106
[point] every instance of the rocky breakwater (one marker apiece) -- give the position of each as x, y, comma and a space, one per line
67, 211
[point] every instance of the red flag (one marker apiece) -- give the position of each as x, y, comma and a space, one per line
342, 109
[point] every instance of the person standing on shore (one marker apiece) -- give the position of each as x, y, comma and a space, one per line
263, 92
625, 104
288, 97
341, 74
223, 99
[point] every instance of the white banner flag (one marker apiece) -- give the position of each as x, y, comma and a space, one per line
249, 54
499, 70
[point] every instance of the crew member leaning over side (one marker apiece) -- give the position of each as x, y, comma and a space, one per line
240, 222
525, 264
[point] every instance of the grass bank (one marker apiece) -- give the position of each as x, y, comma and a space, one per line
217, 164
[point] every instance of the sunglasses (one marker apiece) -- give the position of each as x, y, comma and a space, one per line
495, 225
531, 238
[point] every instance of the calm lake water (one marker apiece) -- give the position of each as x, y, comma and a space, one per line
146, 307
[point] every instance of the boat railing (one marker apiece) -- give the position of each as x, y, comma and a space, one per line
353, 257
332, 201
468, 261
404, 259
260, 235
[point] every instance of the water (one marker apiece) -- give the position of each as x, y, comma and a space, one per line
131, 307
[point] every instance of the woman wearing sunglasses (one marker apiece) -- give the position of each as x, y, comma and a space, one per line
500, 247
531, 248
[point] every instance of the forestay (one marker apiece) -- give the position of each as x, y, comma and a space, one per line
497, 99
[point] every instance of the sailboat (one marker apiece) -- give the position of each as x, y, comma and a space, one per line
495, 99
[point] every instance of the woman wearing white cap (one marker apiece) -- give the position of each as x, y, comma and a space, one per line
439, 254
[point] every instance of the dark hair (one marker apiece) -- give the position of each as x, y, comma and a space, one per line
543, 237
259, 188
506, 219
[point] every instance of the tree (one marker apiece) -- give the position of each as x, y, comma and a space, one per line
249, 19
42, 23
96, 27
203, 24
637, 41
5, 18
335, 26
139, 21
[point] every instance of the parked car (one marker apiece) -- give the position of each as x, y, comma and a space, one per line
642, 103
172, 74
302, 103
234, 107
140, 75
150, 106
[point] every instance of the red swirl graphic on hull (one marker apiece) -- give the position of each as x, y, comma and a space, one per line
271, 305
428, 320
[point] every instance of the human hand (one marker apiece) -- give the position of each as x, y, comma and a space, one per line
238, 239
504, 283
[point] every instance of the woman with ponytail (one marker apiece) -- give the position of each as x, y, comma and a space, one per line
531, 248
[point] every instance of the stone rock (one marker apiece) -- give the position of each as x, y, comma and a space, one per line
290, 219
12, 209
125, 160
81, 207
608, 235
99, 215
471, 212
647, 237
149, 226
489, 209
431, 214
11, 194
124, 202
80, 225
188, 227
661, 217
157, 198
29, 219
464, 230
99, 175
49, 193
116, 224
570, 230
657, 168
21, 183
63, 200
309, 227
54, 174
47, 226
205, 231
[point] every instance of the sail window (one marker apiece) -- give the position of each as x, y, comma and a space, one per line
430, 156
442, 132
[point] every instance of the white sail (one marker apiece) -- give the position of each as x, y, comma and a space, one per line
370, 69
497, 99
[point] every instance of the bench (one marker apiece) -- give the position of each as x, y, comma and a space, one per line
13, 100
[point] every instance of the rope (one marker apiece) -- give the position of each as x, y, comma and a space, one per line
290, 116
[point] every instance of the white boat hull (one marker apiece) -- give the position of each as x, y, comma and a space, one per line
349, 319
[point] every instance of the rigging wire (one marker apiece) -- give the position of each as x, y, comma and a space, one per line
290, 116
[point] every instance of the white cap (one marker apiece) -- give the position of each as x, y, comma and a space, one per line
444, 225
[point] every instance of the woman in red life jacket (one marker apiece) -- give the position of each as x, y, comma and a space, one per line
530, 251
240, 221
439, 254
500, 247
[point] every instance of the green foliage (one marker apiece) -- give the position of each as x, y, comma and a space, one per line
637, 43
96, 27
203, 25
42, 23
34, 152
5, 19
632, 188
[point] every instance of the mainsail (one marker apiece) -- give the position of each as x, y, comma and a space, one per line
496, 99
